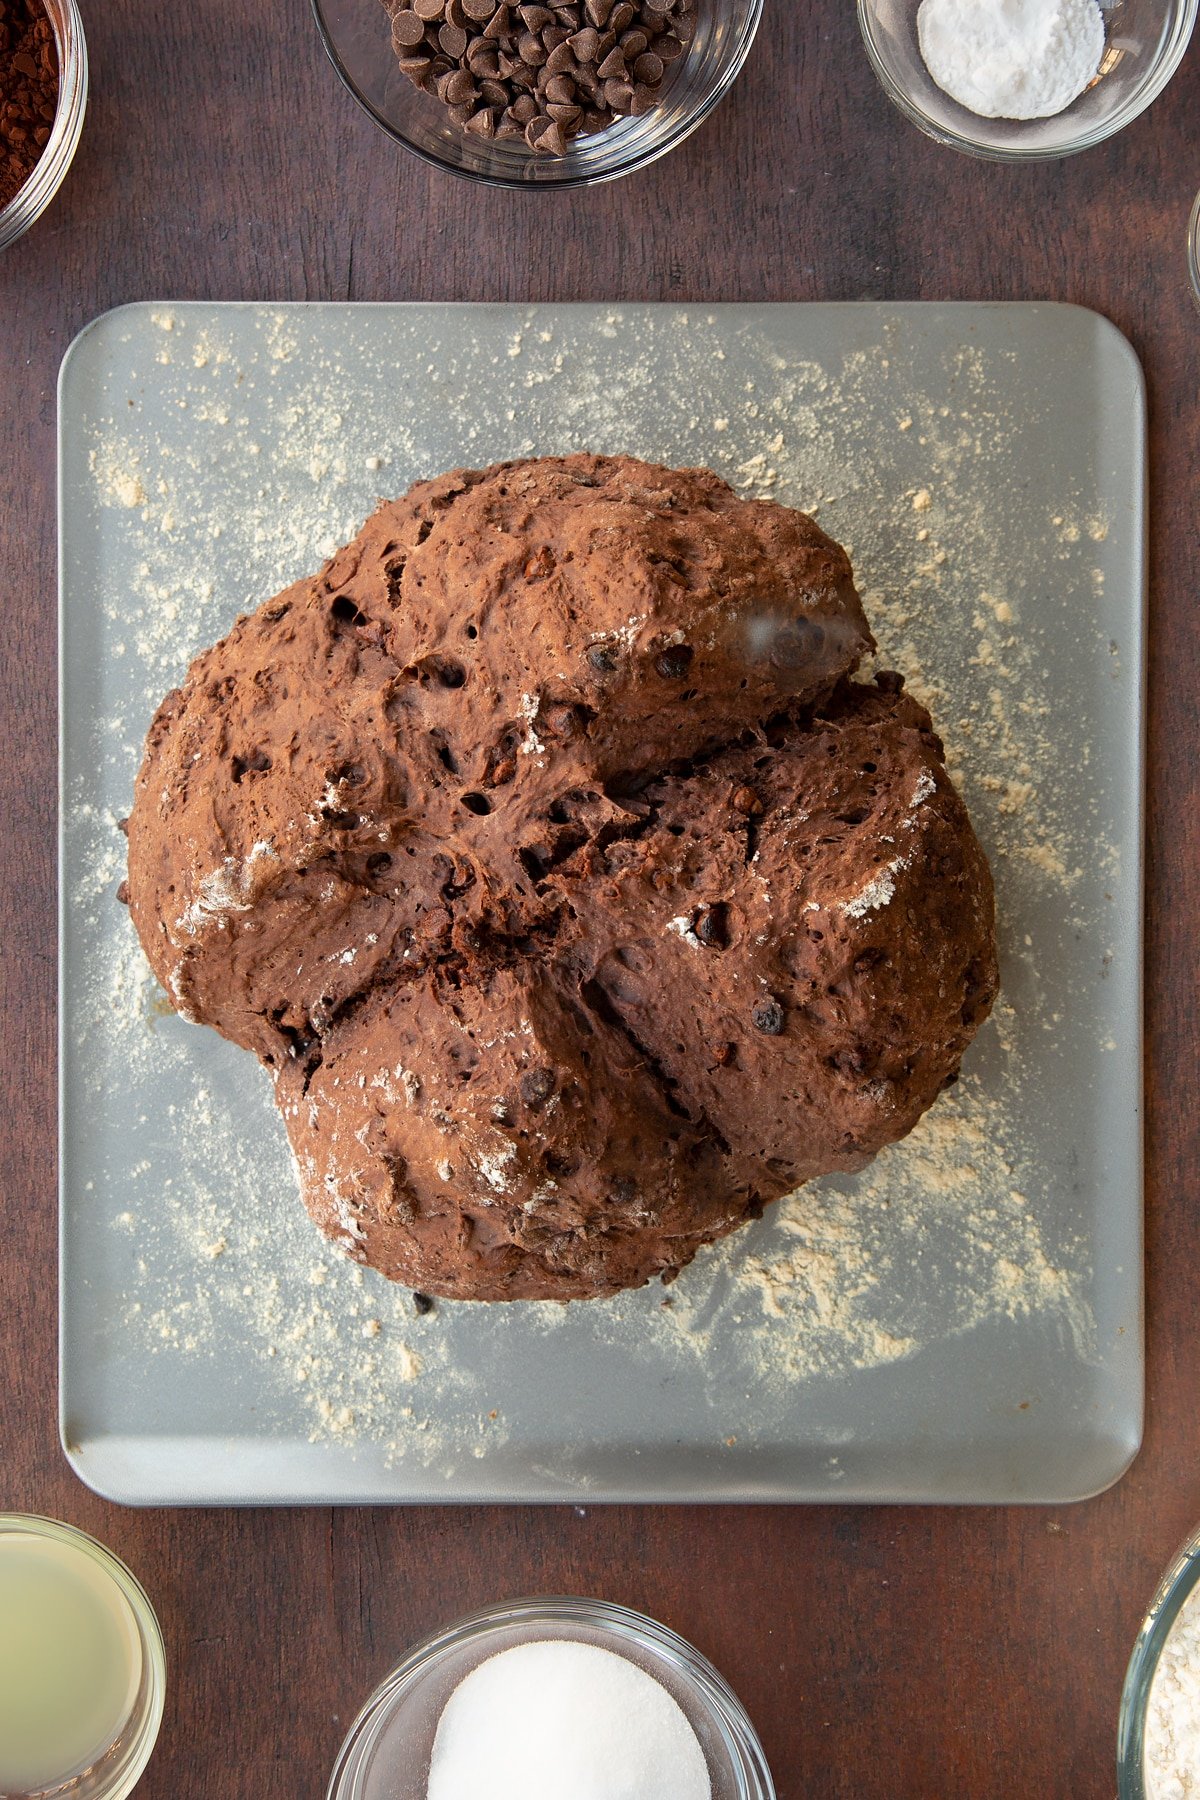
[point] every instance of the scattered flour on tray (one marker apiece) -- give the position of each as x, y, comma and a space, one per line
939, 1234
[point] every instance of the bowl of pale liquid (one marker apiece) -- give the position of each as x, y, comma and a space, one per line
82, 1670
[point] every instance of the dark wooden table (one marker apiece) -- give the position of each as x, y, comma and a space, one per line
884, 1654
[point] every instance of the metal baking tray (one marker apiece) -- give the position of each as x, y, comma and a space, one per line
960, 1322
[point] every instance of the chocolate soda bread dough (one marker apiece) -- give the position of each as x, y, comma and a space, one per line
577, 901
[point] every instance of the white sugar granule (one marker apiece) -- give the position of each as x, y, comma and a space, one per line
1011, 59
560, 1720
1171, 1758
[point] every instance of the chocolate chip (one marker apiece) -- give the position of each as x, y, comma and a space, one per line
712, 925
422, 1303
889, 681
618, 96
674, 662
408, 29
536, 1087
768, 1017
563, 722
602, 659
123, 893
747, 801
559, 1166
794, 645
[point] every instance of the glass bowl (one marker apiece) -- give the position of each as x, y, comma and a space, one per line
1194, 249
386, 1755
357, 37
113, 1773
1144, 40
1172, 1593
31, 201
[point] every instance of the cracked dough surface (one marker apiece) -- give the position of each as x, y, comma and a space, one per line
577, 899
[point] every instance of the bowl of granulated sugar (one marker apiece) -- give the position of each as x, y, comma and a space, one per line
553, 1699
1158, 1733
1019, 80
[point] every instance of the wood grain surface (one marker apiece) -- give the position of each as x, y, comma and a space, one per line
885, 1655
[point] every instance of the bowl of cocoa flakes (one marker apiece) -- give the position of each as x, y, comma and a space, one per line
43, 93
538, 93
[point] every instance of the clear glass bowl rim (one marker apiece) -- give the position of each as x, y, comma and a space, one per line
1193, 249
30, 201
639, 157
1182, 22
1180, 1578
737, 1732
121, 1780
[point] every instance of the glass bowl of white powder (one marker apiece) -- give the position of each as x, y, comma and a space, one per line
1158, 1734
1019, 80
552, 1699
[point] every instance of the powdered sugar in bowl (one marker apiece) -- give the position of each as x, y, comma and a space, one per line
408, 1744
1158, 1735
1143, 43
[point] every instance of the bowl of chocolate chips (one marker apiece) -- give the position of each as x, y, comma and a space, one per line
544, 94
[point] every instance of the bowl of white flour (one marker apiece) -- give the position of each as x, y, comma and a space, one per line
1018, 80
1158, 1735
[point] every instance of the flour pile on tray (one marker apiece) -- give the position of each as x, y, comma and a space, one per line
577, 901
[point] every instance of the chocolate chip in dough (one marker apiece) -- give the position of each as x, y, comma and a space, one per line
768, 1018
536, 1087
674, 662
